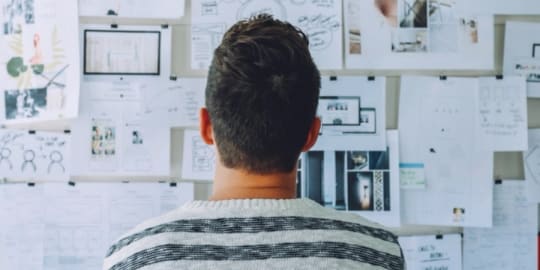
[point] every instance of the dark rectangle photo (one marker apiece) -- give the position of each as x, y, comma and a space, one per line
360, 191
314, 176
339, 111
340, 181
379, 160
413, 13
27, 103
357, 160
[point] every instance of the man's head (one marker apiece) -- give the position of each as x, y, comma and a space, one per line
261, 97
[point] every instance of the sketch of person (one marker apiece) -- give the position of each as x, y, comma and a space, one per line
29, 156
37, 59
388, 9
5, 154
56, 158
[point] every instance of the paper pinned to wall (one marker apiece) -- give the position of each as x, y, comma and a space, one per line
353, 113
531, 159
34, 155
60, 226
320, 20
457, 168
431, 251
522, 54
503, 113
515, 7
512, 242
356, 180
141, 9
199, 159
416, 34
40, 61
114, 137
178, 101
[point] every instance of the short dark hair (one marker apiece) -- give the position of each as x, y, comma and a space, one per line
262, 95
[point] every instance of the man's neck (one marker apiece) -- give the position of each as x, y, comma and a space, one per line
237, 184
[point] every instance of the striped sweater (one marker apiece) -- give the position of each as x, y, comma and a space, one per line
255, 234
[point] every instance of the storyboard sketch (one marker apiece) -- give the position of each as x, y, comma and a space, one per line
432, 251
457, 168
416, 34
34, 156
141, 9
531, 160
40, 61
113, 136
504, 7
178, 101
512, 242
353, 113
503, 113
320, 20
359, 181
72, 226
522, 54
199, 159
126, 50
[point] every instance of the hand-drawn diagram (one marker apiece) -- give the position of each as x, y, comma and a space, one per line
203, 157
41, 60
199, 158
320, 20
34, 155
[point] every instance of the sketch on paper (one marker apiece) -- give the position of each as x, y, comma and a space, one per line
167, 9
320, 20
34, 155
199, 159
40, 62
203, 157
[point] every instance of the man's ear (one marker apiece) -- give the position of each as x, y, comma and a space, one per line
205, 126
313, 134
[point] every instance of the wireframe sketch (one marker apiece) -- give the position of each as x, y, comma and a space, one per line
252, 8
203, 157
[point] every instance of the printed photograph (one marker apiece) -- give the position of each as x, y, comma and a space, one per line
103, 139
413, 13
442, 12
409, 41
17, 13
23, 104
389, 10
458, 214
468, 31
357, 160
379, 160
136, 137
339, 111
369, 191
355, 41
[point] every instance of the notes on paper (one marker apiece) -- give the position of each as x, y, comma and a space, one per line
34, 155
433, 116
353, 114
320, 20
432, 252
141, 9
512, 242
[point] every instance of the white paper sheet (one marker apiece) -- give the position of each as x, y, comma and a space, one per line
199, 159
394, 34
359, 181
353, 114
512, 242
40, 60
514, 7
458, 170
142, 9
522, 54
432, 252
177, 101
320, 20
531, 160
34, 156
59, 226
503, 113
114, 137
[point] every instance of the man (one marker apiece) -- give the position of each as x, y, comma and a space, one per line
261, 101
